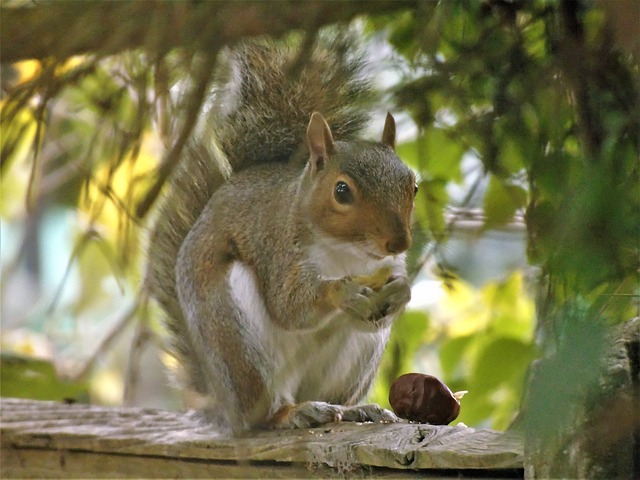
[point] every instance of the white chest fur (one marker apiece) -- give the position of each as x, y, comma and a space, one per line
313, 364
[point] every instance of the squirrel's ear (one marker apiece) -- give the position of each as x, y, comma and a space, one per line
389, 132
319, 139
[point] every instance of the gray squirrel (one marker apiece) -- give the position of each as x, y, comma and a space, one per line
278, 254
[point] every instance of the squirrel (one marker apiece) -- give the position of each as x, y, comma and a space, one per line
278, 254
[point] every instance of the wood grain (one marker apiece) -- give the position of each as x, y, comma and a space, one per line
48, 439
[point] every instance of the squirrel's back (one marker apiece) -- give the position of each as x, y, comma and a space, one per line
258, 113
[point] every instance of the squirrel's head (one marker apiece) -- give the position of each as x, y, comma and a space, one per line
359, 192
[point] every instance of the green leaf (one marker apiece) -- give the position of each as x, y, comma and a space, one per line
512, 311
434, 154
502, 361
402, 34
510, 156
501, 202
452, 355
27, 377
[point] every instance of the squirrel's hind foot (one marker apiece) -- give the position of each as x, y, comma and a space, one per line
315, 414
368, 413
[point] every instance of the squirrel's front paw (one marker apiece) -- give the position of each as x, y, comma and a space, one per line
351, 297
371, 306
393, 296
390, 299
358, 302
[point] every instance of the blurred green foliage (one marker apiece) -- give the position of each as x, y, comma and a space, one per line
539, 91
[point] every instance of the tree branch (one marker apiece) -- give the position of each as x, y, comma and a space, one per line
65, 28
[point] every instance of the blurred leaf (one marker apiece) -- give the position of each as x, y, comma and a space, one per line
451, 354
402, 34
501, 202
561, 383
512, 311
430, 203
502, 361
27, 377
511, 157
464, 311
434, 154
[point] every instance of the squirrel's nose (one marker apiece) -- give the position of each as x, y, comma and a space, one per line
398, 244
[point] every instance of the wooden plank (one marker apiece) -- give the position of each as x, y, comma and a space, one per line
86, 440
44, 464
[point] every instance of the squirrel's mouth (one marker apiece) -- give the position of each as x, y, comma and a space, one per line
374, 255
371, 249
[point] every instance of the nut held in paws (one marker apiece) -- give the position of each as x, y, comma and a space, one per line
425, 399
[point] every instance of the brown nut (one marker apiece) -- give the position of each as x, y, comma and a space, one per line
425, 399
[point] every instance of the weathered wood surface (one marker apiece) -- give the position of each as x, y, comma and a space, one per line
48, 439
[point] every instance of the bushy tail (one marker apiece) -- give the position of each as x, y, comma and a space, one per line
258, 113
198, 176
263, 111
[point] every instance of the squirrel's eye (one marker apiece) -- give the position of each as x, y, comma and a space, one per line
415, 190
343, 193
